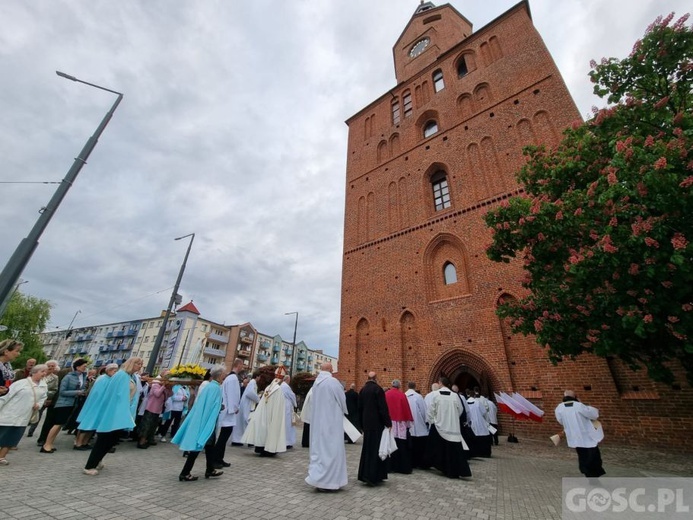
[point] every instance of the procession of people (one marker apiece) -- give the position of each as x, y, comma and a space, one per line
400, 431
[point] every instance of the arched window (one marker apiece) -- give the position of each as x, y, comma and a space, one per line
438, 83
449, 273
430, 129
462, 69
441, 191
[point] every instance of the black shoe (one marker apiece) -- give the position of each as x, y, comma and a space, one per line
143, 446
188, 478
213, 473
222, 464
84, 447
185, 453
236, 444
289, 447
47, 451
112, 450
30, 434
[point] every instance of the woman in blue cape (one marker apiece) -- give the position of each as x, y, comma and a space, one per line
114, 413
92, 406
197, 431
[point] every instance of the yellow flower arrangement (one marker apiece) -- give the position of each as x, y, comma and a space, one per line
189, 371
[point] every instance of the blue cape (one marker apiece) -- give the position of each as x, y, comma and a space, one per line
88, 417
113, 410
201, 421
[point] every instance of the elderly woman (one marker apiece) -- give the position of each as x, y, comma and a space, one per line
72, 386
197, 431
9, 351
16, 408
115, 412
52, 383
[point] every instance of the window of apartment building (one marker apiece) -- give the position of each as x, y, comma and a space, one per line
462, 69
441, 191
406, 101
430, 128
438, 83
395, 112
449, 273
146, 339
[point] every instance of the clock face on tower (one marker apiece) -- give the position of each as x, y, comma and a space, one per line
419, 47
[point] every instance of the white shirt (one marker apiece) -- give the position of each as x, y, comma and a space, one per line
478, 418
444, 413
418, 411
576, 419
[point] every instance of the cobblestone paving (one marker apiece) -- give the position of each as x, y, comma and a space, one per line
521, 481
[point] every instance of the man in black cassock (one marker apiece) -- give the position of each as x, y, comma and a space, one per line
352, 402
374, 417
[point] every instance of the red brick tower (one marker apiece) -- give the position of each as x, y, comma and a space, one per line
426, 160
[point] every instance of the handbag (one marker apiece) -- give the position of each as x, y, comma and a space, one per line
35, 417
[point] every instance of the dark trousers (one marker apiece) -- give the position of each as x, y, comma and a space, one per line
220, 448
590, 462
104, 442
47, 425
495, 435
176, 419
210, 452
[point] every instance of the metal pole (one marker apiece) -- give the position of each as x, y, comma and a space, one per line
21, 256
160, 336
293, 343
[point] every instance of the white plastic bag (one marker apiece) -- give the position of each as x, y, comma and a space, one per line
388, 445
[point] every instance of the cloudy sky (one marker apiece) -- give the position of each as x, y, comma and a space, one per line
232, 127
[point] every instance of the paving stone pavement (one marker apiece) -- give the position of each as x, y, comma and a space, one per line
520, 481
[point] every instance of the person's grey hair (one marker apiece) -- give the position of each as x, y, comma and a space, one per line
37, 368
52, 362
396, 383
216, 370
111, 365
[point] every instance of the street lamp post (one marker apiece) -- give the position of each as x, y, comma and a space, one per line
160, 336
21, 256
293, 343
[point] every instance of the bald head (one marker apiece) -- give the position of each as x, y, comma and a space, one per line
569, 393
326, 367
371, 376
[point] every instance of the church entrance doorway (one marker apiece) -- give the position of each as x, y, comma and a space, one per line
466, 370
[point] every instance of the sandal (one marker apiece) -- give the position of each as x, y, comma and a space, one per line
3, 462
213, 473
187, 478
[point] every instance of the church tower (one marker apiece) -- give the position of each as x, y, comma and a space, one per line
426, 160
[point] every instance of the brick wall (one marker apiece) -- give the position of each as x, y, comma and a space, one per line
398, 317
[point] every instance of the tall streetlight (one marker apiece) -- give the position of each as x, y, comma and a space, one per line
160, 336
293, 343
21, 256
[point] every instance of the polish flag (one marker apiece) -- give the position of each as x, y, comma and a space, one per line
535, 413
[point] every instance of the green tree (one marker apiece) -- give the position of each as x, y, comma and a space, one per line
605, 224
25, 318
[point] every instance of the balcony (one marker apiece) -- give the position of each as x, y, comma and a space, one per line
219, 338
214, 352
120, 333
244, 352
262, 357
300, 366
276, 348
83, 350
103, 348
275, 360
287, 363
310, 359
109, 334
264, 345
247, 338
287, 351
301, 355
131, 332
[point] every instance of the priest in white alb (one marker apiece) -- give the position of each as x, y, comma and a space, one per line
267, 428
327, 469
